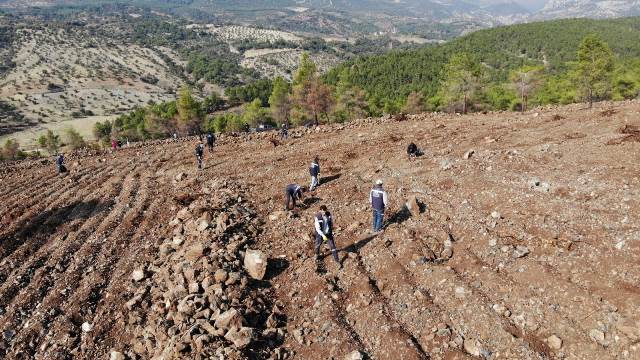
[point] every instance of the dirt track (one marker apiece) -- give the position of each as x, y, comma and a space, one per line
561, 182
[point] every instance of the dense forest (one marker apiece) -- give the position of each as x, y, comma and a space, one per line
391, 77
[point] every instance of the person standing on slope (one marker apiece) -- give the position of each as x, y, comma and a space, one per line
378, 200
323, 224
284, 132
60, 163
292, 193
210, 140
199, 154
314, 171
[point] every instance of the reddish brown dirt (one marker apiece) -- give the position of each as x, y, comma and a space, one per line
561, 182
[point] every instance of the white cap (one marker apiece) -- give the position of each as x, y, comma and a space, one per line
379, 182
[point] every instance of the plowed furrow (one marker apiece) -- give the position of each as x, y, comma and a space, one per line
23, 204
371, 317
56, 253
86, 248
80, 276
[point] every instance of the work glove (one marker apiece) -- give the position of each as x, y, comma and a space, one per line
324, 237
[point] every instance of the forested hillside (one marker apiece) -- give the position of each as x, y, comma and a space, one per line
393, 76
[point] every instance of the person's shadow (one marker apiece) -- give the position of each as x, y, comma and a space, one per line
328, 179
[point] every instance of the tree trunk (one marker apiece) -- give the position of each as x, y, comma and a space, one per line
464, 104
315, 115
590, 98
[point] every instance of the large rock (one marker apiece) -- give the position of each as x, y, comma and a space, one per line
240, 337
255, 262
554, 342
413, 205
137, 275
471, 347
228, 319
355, 355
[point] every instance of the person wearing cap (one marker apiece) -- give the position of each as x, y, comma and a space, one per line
292, 193
378, 200
314, 171
323, 224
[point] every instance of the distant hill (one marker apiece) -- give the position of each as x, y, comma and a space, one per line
395, 74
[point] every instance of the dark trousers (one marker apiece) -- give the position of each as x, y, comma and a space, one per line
199, 162
210, 146
288, 198
332, 246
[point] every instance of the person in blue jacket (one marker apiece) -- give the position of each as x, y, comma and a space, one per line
314, 171
323, 225
379, 201
292, 193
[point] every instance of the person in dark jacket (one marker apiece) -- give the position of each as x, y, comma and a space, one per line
323, 225
378, 200
210, 140
284, 132
292, 193
199, 154
314, 171
60, 163
412, 151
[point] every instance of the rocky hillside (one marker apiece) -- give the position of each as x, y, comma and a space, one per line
512, 236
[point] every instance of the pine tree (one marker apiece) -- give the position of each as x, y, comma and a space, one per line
50, 141
595, 68
414, 104
307, 71
280, 100
189, 110
525, 81
462, 81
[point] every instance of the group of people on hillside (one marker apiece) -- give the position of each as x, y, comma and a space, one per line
323, 221
200, 148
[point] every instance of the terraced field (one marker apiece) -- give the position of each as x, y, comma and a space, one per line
538, 211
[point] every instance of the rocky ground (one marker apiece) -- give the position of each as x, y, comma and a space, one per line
513, 237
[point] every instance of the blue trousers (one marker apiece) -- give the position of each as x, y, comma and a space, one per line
378, 219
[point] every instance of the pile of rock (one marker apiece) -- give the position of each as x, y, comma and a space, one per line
198, 298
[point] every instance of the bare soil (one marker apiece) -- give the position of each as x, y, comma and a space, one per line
542, 213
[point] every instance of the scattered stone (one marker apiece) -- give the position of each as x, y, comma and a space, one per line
194, 253
116, 355
554, 342
413, 206
8, 334
240, 338
220, 276
499, 308
138, 275
520, 251
469, 154
496, 215
86, 327
203, 225
460, 292
178, 240
255, 262
597, 336
181, 176
298, 334
446, 164
228, 319
471, 347
355, 355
